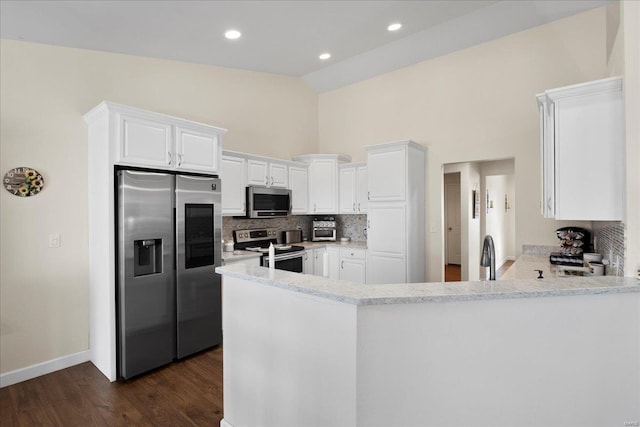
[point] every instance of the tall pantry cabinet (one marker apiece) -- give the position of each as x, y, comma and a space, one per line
396, 213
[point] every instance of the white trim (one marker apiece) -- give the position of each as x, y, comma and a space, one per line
225, 423
33, 371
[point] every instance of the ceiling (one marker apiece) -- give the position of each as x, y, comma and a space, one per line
282, 37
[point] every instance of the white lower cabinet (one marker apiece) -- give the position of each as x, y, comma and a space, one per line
353, 265
308, 262
386, 269
318, 261
334, 262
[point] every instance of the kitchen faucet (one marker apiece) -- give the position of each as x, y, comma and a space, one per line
489, 256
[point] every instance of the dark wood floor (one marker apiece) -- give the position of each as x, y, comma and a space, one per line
185, 393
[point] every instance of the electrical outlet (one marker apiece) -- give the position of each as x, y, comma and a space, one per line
54, 241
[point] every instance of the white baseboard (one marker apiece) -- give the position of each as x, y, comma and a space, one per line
224, 423
510, 258
33, 371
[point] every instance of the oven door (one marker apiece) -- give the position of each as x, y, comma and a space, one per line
290, 262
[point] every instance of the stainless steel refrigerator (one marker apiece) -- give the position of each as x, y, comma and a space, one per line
168, 294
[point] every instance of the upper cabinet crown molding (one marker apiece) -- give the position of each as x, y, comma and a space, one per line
138, 137
611, 84
308, 158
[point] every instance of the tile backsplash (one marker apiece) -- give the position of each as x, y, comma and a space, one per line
608, 239
351, 226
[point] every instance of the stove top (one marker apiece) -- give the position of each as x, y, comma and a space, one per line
258, 240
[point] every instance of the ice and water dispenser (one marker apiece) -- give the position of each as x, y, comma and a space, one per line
147, 257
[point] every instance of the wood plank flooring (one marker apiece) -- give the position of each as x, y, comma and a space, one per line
185, 393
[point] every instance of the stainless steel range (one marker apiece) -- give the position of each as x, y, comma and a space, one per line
287, 257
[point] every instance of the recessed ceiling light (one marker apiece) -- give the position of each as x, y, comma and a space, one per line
324, 56
394, 27
233, 34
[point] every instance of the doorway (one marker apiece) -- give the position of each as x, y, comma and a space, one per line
453, 234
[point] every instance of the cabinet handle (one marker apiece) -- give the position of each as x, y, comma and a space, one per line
342, 264
368, 195
316, 255
358, 206
354, 206
314, 207
179, 159
271, 180
549, 204
266, 178
170, 158
306, 256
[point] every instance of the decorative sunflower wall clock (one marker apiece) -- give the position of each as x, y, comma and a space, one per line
23, 182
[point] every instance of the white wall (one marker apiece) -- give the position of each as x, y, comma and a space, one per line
45, 92
472, 105
498, 220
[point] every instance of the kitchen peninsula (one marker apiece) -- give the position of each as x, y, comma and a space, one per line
306, 350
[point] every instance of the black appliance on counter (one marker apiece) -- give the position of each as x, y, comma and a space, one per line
574, 242
287, 257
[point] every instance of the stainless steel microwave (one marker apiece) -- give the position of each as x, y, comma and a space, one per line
265, 202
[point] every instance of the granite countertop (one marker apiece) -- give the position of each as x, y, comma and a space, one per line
525, 265
349, 244
412, 293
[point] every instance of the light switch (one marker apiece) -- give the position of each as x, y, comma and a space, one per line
54, 241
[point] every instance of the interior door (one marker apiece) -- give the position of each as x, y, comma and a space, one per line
453, 223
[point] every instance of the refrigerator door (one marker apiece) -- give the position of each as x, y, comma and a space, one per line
198, 245
146, 276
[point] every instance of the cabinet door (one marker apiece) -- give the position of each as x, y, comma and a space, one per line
590, 161
278, 175
308, 262
362, 189
334, 263
257, 172
298, 183
323, 186
386, 229
197, 151
318, 261
347, 193
144, 142
233, 175
352, 270
385, 269
547, 156
387, 174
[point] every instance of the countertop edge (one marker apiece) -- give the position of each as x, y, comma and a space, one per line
357, 293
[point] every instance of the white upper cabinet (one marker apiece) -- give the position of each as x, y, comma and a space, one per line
278, 175
347, 194
388, 183
323, 181
233, 176
362, 193
257, 172
583, 151
266, 173
298, 183
144, 142
197, 149
353, 188
148, 139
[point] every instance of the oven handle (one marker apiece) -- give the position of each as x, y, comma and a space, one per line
284, 257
